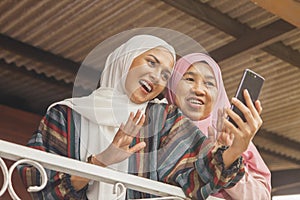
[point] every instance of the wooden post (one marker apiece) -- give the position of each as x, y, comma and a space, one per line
16, 126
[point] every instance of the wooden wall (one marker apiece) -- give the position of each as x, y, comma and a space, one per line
16, 126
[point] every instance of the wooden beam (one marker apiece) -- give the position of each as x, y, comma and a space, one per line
40, 55
252, 39
288, 10
210, 15
37, 54
22, 71
280, 141
247, 38
285, 182
284, 177
284, 52
10, 74
261, 148
41, 82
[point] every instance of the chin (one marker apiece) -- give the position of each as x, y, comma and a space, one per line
193, 117
196, 118
138, 100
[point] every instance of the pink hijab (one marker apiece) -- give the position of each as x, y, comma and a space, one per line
182, 65
252, 159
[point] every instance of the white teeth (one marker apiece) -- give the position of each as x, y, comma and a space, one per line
195, 101
146, 85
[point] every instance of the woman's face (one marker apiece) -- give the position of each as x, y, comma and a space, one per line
196, 92
148, 75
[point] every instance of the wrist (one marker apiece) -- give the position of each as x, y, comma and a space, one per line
90, 159
229, 156
93, 160
78, 182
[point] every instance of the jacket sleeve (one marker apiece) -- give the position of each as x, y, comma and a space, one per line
186, 158
55, 134
256, 184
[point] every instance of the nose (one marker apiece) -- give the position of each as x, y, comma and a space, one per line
155, 76
199, 89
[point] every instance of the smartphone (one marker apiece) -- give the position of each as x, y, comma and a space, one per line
251, 81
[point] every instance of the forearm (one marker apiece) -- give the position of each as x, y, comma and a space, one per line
79, 182
211, 169
229, 156
206, 176
251, 186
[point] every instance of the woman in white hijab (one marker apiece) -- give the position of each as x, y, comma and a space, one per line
87, 128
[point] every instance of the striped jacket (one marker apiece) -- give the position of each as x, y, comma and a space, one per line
177, 153
56, 134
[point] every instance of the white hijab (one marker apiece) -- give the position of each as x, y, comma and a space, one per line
106, 108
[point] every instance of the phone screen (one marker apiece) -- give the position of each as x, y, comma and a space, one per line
251, 81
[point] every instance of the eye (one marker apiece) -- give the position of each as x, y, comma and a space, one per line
209, 83
190, 79
165, 76
151, 63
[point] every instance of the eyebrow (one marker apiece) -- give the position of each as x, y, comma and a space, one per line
194, 74
188, 73
210, 77
154, 58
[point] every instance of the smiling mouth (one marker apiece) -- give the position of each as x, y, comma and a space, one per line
195, 101
146, 86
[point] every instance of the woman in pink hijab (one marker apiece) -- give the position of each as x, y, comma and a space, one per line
197, 88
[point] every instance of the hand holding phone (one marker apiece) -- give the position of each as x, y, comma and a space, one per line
251, 81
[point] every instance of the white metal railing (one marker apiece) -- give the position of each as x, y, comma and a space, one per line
41, 160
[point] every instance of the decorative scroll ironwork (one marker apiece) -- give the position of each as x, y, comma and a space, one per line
5, 177
40, 160
7, 174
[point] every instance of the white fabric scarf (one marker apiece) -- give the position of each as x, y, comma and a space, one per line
106, 108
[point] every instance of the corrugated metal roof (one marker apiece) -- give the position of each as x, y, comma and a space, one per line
68, 30
245, 11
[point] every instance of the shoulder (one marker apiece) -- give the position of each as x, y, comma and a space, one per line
57, 110
167, 114
162, 107
61, 112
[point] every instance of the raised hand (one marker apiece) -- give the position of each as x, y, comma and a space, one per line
127, 132
120, 149
220, 134
245, 131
